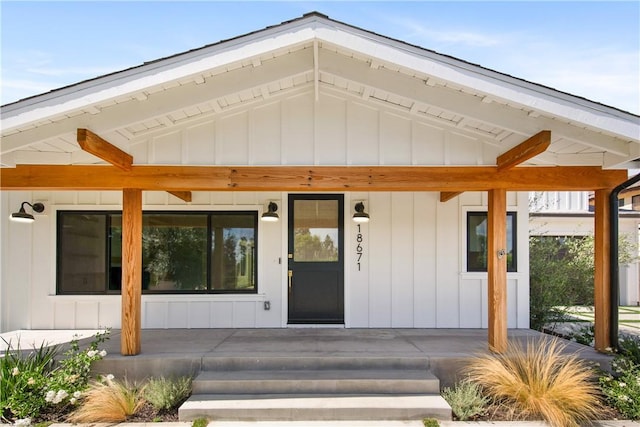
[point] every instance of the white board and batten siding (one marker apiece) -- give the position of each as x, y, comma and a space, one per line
413, 269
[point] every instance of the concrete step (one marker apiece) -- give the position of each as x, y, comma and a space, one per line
289, 407
302, 362
353, 381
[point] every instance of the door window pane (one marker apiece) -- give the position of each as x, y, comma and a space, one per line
174, 252
477, 241
316, 231
233, 252
82, 267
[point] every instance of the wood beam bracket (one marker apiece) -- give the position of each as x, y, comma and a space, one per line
94, 144
530, 148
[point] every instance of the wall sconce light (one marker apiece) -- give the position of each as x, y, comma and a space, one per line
23, 216
360, 215
270, 215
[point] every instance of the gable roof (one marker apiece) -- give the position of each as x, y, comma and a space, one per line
317, 53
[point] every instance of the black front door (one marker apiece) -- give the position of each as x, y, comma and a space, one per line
316, 258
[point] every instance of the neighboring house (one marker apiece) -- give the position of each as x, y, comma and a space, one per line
571, 214
314, 121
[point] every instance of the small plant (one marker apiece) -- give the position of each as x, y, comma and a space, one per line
108, 401
200, 422
585, 335
32, 382
165, 394
622, 389
540, 381
466, 400
629, 348
430, 422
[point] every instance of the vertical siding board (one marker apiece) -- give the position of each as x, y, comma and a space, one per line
470, 303
380, 261
222, 314
402, 260
200, 144
156, 315
19, 260
298, 130
244, 314
395, 140
330, 145
232, 142
362, 135
358, 286
428, 145
266, 138
178, 312
167, 149
424, 260
463, 150
448, 252
87, 314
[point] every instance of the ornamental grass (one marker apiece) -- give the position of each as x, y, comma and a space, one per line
109, 401
540, 381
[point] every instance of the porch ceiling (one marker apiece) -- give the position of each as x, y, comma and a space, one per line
322, 67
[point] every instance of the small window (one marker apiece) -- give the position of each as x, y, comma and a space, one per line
477, 241
635, 203
182, 252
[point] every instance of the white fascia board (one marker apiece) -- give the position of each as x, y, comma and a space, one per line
530, 95
138, 79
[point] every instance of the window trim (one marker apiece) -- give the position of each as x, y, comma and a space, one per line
467, 238
109, 213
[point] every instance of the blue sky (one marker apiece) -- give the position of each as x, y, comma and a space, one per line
590, 49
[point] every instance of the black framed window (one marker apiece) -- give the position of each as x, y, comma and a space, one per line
182, 252
477, 241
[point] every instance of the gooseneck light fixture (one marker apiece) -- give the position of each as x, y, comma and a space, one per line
23, 216
360, 215
270, 215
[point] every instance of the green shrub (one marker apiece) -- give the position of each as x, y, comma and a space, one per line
165, 394
23, 379
430, 422
466, 400
33, 382
200, 422
629, 348
622, 389
585, 335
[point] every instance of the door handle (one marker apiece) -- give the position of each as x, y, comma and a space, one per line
290, 276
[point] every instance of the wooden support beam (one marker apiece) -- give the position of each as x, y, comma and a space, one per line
131, 271
518, 154
94, 144
312, 178
530, 148
445, 196
497, 270
602, 280
183, 195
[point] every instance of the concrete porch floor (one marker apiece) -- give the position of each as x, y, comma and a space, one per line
188, 351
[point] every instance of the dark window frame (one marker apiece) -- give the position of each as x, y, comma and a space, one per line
109, 214
513, 268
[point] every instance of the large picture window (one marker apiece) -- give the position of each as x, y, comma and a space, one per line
182, 252
477, 241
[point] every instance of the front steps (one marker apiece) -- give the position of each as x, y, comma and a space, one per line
316, 388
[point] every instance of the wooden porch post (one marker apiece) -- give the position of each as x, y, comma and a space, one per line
497, 269
602, 280
131, 271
